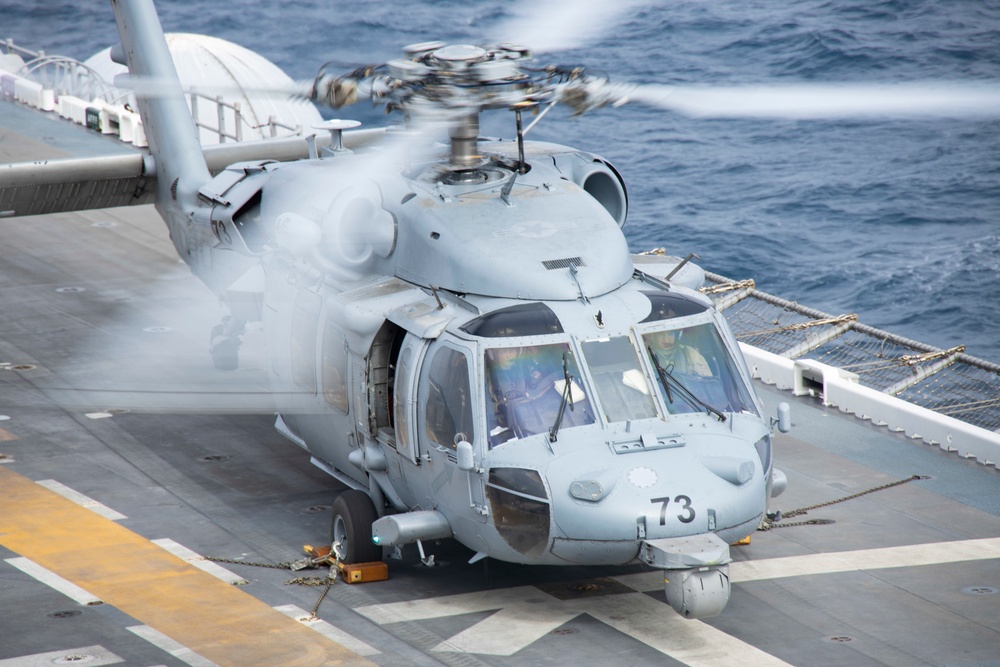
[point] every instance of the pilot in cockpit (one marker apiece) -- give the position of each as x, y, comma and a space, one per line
523, 386
674, 354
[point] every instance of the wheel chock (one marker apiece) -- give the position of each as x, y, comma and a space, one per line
317, 553
362, 573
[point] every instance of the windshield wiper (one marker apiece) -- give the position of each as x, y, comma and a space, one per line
667, 379
567, 398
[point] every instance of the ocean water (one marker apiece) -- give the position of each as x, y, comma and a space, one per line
897, 220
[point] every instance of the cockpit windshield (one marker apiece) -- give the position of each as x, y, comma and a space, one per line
524, 389
621, 386
696, 358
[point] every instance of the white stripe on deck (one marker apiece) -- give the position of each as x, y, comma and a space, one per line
53, 580
174, 648
200, 561
525, 614
509, 630
81, 500
936, 553
329, 631
691, 642
914, 555
451, 605
92, 656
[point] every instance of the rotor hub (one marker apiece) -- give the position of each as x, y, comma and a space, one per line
452, 84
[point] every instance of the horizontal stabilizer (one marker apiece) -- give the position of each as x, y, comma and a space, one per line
75, 184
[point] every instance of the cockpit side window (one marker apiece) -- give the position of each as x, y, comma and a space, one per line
448, 412
401, 400
696, 359
621, 385
524, 389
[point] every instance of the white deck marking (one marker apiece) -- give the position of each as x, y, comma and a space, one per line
174, 648
691, 642
868, 559
200, 562
525, 614
92, 656
510, 629
914, 555
329, 631
82, 500
452, 605
53, 580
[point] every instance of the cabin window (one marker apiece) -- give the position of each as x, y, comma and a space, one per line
524, 389
305, 320
401, 399
695, 370
335, 381
622, 387
448, 411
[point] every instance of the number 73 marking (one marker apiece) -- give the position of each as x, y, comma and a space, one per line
687, 516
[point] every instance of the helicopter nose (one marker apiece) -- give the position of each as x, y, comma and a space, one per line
630, 495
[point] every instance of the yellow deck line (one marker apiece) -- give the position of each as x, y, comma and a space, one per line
214, 619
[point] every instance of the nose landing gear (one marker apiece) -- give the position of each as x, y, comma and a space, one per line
224, 343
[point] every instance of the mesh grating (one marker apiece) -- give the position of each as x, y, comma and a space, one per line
947, 382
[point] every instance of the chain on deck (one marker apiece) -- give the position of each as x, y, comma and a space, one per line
946, 381
771, 521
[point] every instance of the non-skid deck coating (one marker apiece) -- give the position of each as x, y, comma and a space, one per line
906, 576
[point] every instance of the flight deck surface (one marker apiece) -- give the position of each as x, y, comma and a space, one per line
126, 455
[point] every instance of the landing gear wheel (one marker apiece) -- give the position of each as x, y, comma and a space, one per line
351, 525
224, 343
225, 351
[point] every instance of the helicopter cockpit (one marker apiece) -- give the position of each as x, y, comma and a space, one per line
536, 379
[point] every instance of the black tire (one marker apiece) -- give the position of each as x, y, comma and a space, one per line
351, 522
225, 351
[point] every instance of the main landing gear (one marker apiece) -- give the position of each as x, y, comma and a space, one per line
351, 522
224, 343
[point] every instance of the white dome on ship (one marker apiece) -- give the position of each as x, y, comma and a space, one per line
239, 75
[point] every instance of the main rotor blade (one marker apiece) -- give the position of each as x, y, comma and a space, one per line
816, 101
557, 25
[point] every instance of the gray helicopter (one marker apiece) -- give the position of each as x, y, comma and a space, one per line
458, 331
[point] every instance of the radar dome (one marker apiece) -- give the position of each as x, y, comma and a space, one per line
209, 64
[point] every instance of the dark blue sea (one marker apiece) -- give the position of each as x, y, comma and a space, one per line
897, 220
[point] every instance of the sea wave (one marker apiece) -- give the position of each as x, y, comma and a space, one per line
894, 219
